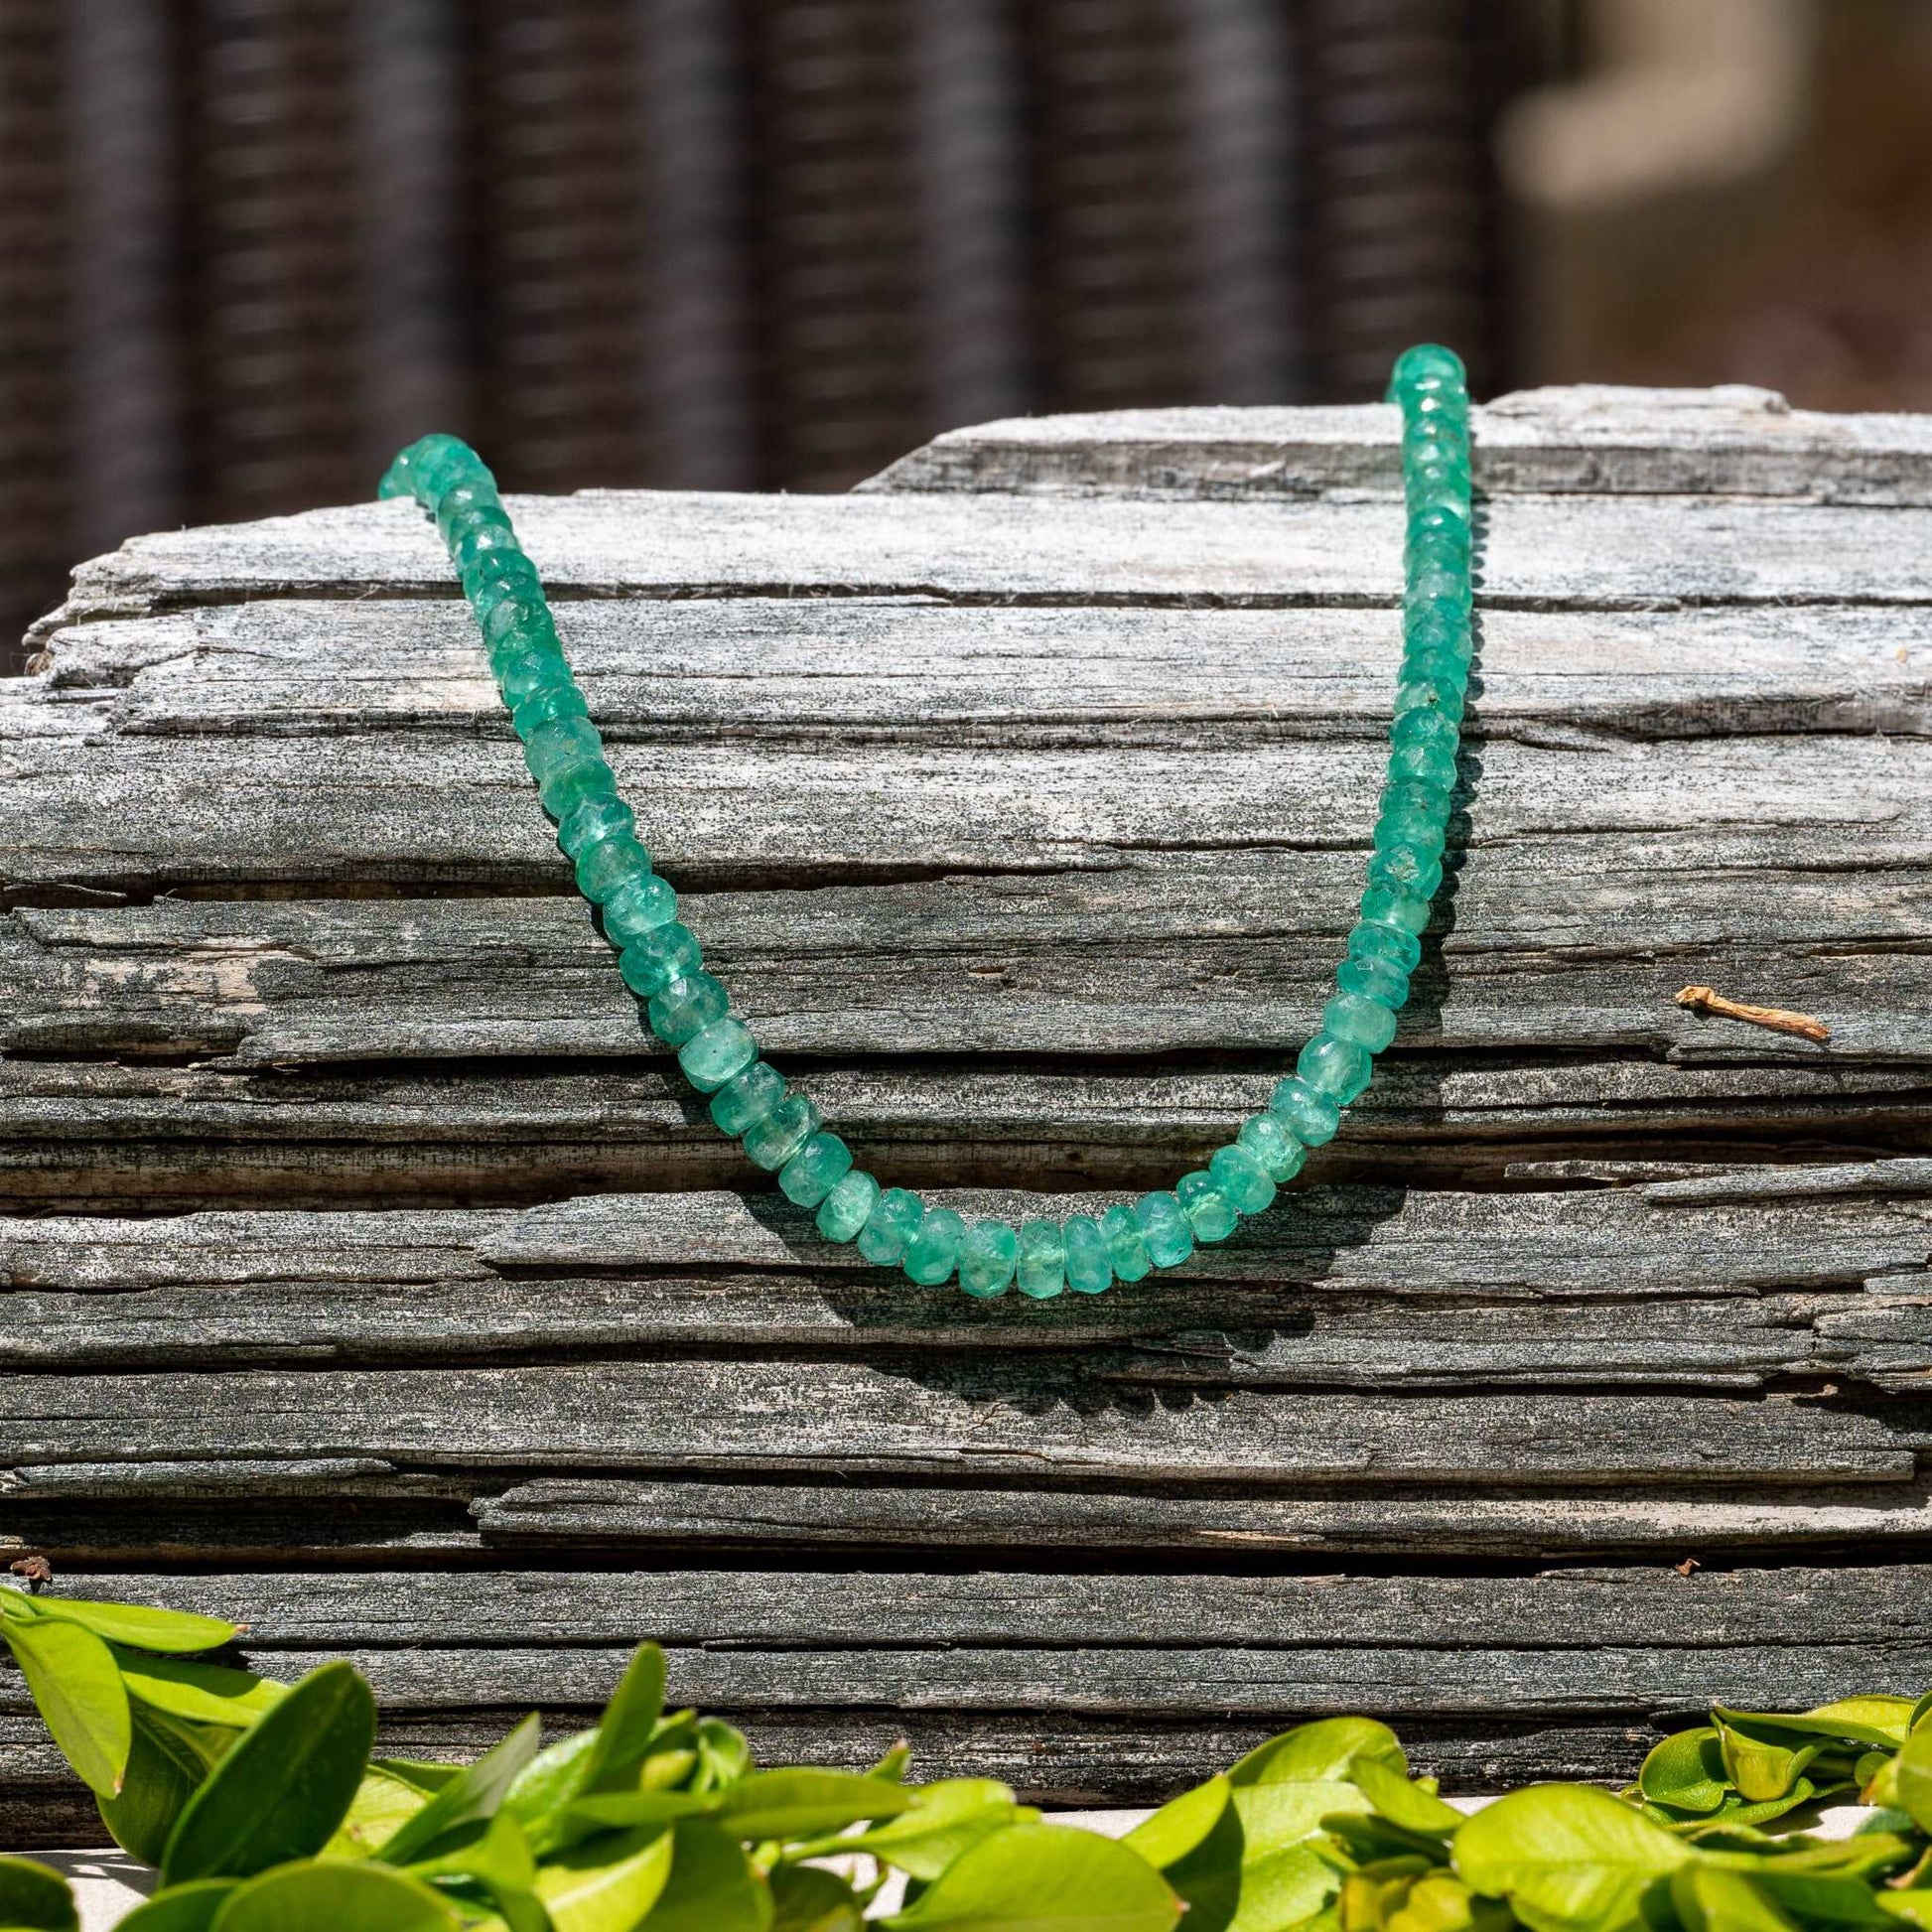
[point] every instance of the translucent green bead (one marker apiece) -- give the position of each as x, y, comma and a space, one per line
589, 821
723, 1050
1424, 729
657, 958
1405, 868
481, 537
894, 1222
684, 1009
771, 1142
1420, 832
1336, 1067
933, 1252
1420, 692
1248, 1185
475, 494
639, 908
1380, 906
531, 671
1311, 1117
747, 1098
1410, 797
501, 577
1371, 939
1164, 1231
1434, 765
989, 1254
1089, 1262
1425, 362
1273, 1149
433, 464
1124, 1248
555, 748
1209, 1212
844, 1212
1355, 1016
546, 706
818, 1167
569, 786
518, 622
1042, 1260
1379, 980
605, 868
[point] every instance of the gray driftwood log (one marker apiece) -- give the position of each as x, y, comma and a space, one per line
367, 1279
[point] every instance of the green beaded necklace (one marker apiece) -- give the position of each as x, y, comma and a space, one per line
781, 1130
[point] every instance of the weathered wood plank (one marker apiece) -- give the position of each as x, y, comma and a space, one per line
1601, 441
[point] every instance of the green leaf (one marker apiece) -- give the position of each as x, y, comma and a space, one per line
72, 1676
385, 1802
314, 1897
34, 1897
204, 1694
893, 1765
1045, 1878
623, 1734
1568, 1857
609, 1882
16, 1602
284, 1788
807, 1899
713, 1886
1285, 1889
1686, 1770
619, 1811
1404, 1802
944, 1819
723, 1755
1709, 1900
175, 1631
1762, 1760
167, 1765
491, 1852
471, 1797
1911, 1780
1441, 1902
1196, 1844
803, 1803
180, 1908
1862, 1721
1276, 1816
1326, 1749
1914, 1907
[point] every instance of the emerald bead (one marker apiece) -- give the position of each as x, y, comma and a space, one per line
483, 536
1209, 1212
723, 1049
1311, 1116
558, 745
989, 1254
1124, 1248
589, 821
1425, 729
933, 1252
1427, 363
1420, 832
1379, 980
589, 777
1433, 764
1247, 1184
545, 707
1381, 907
1339, 1068
458, 501
1042, 1260
1404, 869
1444, 696
1374, 940
1089, 1262
638, 909
894, 1222
684, 1009
1164, 1231
518, 622
1368, 1022
610, 865
747, 1098
844, 1212
818, 1167
523, 676
657, 957
1272, 1147
771, 1142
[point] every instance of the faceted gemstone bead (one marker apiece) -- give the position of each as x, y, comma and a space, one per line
1354, 1017
1431, 631
818, 1167
686, 1007
1381, 907
1248, 1185
636, 909
933, 1252
771, 1142
722, 1050
1379, 980
989, 1253
1424, 729
1124, 1248
747, 1098
524, 618
1311, 1116
1089, 1262
589, 820
499, 577
1421, 692
1042, 1260
481, 536
1165, 1230
1209, 1212
1373, 940
1272, 1147
604, 868
589, 777
458, 501
894, 1222
844, 1212
1336, 1067
531, 671
1422, 833
545, 707
1426, 364
657, 957
555, 748
1434, 765
1405, 868
1413, 796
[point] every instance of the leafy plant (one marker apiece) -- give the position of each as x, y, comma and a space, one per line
265, 1812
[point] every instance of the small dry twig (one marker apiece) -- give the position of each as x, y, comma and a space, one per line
1709, 1000
1685, 1568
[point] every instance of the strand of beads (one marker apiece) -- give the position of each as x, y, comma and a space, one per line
689, 1009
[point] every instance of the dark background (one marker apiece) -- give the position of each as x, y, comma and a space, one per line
248, 247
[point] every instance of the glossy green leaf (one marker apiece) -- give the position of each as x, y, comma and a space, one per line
1914, 1907
313, 1897
467, 1799
16, 1602
1196, 1844
606, 1883
1686, 1770
492, 1854
1285, 1889
1763, 1760
723, 1755
945, 1818
284, 1788
77, 1687
807, 1899
1921, 1712
204, 1694
1712, 1900
804, 1803
1045, 1878
167, 1763
893, 1765
713, 1886
1402, 1801
34, 1897
1818, 1899
625, 1731
385, 1802
1911, 1780
1568, 1857
1881, 1720
1276, 1816
181, 1909
1323, 1749
1441, 1902
178, 1632
1736, 1811
551, 1779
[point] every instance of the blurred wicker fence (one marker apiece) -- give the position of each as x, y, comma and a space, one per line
249, 247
